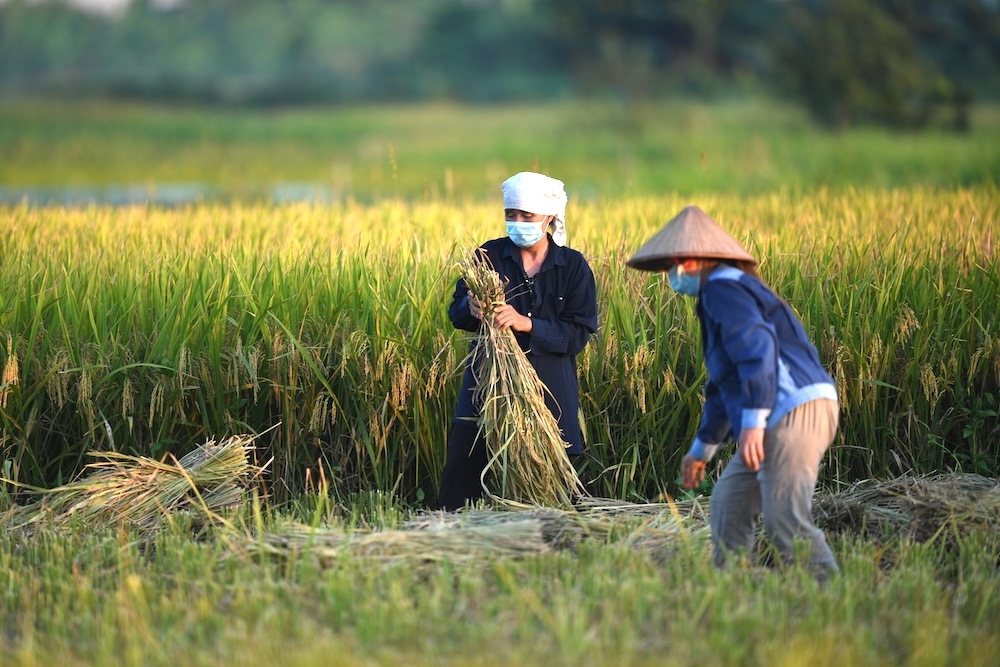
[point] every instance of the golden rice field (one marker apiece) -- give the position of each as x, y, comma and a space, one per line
146, 330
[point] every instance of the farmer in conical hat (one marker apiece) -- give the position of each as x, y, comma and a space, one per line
551, 305
766, 389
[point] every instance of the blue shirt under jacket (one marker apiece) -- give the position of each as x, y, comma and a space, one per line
563, 312
761, 364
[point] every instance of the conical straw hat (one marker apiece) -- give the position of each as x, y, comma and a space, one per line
691, 234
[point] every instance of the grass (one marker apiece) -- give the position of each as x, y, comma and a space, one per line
461, 153
105, 597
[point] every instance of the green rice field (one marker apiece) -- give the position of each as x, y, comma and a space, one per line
147, 331
320, 327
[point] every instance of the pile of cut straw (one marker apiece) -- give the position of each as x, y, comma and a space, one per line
923, 508
652, 527
528, 464
327, 544
139, 491
560, 529
915, 507
487, 533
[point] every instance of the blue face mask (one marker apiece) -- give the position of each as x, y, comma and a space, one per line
525, 234
683, 283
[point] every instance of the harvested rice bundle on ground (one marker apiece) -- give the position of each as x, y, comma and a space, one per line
560, 529
694, 509
139, 491
919, 508
647, 526
513, 539
528, 464
655, 528
481, 533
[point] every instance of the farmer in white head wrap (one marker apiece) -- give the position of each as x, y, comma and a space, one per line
551, 306
539, 194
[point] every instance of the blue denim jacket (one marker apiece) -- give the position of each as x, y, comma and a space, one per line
761, 364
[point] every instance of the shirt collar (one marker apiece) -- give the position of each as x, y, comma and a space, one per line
556, 256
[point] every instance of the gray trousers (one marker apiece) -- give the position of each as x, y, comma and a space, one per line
782, 490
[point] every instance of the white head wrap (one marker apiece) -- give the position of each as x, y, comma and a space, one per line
538, 193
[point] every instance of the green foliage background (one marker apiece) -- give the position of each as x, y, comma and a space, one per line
902, 63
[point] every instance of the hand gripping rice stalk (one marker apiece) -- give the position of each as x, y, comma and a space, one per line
527, 460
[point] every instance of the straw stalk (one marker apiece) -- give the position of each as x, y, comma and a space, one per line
528, 464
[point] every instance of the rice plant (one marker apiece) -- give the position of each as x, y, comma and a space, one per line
146, 331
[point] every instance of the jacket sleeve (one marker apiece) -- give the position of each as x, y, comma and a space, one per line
714, 427
459, 312
569, 333
751, 343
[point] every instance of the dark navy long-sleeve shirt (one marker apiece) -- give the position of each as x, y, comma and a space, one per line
563, 312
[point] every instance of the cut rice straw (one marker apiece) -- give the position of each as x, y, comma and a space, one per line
527, 460
480, 534
922, 508
139, 491
326, 544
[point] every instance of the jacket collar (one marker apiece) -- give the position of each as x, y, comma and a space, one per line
556, 256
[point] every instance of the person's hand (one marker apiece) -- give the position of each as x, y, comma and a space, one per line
505, 316
474, 306
752, 447
694, 471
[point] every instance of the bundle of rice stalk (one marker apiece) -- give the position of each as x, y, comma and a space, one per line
920, 508
561, 529
527, 457
692, 509
139, 491
456, 543
655, 528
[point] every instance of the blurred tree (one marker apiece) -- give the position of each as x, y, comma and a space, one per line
892, 62
962, 38
641, 47
897, 62
489, 50
848, 60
